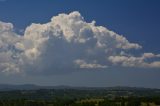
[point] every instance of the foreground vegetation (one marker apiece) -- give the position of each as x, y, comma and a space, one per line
81, 97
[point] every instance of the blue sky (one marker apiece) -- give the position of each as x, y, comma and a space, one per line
134, 19
138, 21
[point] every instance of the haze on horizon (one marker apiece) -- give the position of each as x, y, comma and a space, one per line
80, 43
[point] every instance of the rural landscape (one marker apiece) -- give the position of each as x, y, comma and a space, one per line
32, 95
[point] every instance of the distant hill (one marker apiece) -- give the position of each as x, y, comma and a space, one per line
10, 87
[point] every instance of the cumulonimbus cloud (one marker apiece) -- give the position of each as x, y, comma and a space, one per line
68, 42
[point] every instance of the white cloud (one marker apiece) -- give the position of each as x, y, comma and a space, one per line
132, 61
84, 64
150, 55
8, 53
65, 43
5, 26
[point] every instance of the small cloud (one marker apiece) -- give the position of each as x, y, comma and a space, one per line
84, 64
143, 61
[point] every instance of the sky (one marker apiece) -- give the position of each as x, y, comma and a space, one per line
80, 43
